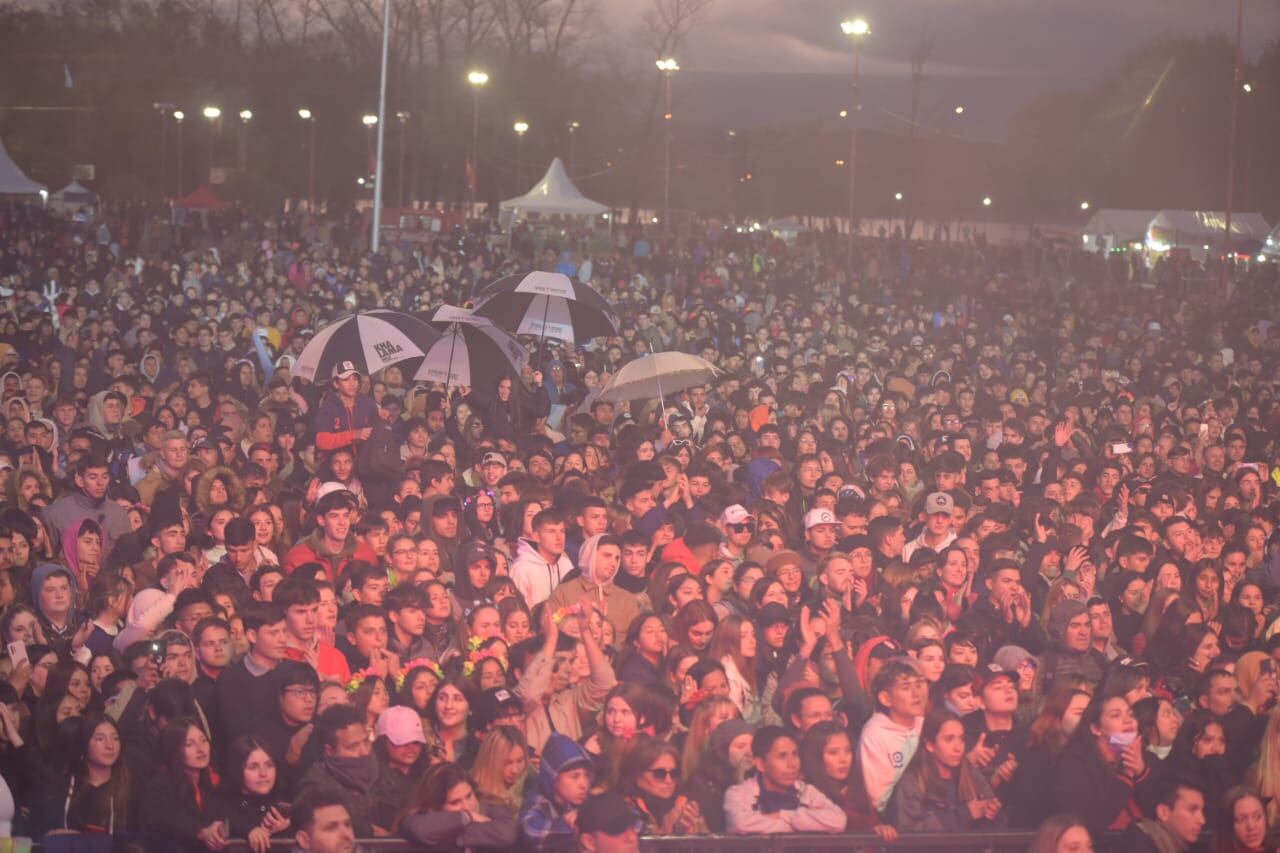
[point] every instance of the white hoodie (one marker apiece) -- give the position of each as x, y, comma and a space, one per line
533, 576
884, 750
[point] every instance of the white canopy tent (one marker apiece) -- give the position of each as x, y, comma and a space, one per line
73, 198
1199, 230
13, 181
555, 194
1110, 228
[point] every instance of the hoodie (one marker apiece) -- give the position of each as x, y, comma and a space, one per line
884, 751
59, 637
542, 822
620, 606
533, 576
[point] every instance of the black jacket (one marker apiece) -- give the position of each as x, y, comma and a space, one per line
991, 630
1097, 793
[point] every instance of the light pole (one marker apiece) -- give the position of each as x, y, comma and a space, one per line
370, 121
668, 66
521, 127
307, 116
246, 116
855, 29
212, 114
986, 214
163, 109
1237, 85
376, 237
178, 116
478, 80
573, 131
403, 118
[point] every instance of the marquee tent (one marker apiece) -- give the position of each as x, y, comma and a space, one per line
1110, 228
555, 194
13, 181
73, 197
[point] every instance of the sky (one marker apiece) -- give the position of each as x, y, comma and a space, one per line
760, 61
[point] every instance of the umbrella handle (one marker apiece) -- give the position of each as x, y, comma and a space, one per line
542, 335
453, 343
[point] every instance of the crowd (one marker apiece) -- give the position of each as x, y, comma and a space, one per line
963, 539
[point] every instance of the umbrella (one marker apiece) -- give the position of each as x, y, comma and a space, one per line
371, 340
548, 305
655, 375
472, 351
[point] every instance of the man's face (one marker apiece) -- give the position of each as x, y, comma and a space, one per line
822, 536
781, 766
412, 620
337, 524
369, 634
1079, 633
593, 520
175, 453
634, 559
55, 595
1100, 621
550, 538
301, 620
602, 842
170, 540
814, 710
838, 576
1005, 583
1186, 817
240, 556
446, 524
93, 482
351, 742
215, 648
179, 662
269, 641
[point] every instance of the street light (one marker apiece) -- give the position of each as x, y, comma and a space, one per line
403, 117
1084, 205
370, 121
897, 196
178, 116
1248, 87
573, 131
521, 127
959, 110
668, 66
478, 80
986, 201
212, 113
855, 29
306, 115
246, 116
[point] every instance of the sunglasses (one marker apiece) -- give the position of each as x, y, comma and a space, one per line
662, 774
743, 527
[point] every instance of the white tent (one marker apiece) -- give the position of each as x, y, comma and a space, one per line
73, 197
1110, 228
12, 179
1198, 230
555, 194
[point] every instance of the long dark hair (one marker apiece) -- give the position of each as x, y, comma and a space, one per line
173, 740
815, 771
116, 788
432, 790
924, 770
241, 748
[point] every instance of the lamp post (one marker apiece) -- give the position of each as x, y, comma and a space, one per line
478, 80
668, 66
855, 29
1237, 86
403, 118
307, 116
573, 131
375, 239
212, 114
246, 116
521, 127
370, 121
986, 214
163, 109
178, 116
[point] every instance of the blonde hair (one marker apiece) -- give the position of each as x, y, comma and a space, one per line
491, 759
1265, 774
695, 743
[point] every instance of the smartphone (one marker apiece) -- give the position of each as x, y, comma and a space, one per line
1120, 448
18, 653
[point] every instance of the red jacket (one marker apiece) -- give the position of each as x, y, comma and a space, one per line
309, 551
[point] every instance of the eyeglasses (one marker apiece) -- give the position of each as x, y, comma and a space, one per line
662, 774
302, 692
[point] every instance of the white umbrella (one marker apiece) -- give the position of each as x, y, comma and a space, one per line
371, 340
655, 375
473, 351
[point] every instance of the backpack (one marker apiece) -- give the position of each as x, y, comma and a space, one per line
379, 457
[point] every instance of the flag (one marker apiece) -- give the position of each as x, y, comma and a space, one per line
66, 77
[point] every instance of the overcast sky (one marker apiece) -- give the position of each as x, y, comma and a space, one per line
986, 52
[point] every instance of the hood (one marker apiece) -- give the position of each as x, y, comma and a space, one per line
678, 552
587, 561
41, 574
70, 551
143, 602
560, 753
151, 374
97, 419
235, 489
862, 662
1063, 612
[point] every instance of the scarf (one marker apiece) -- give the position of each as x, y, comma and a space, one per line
356, 773
1162, 837
777, 801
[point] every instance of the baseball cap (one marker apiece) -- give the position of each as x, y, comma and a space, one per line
401, 725
736, 514
475, 552
493, 458
609, 813
329, 488
492, 704
939, 502
343, 369
989, 674
815, 517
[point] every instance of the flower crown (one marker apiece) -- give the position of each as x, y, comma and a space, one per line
478, 655
425, 663
359, 678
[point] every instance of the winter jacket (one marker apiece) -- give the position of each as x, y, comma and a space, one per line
884, 750
816, 812
74, 506
451, 830
621, 607
542, 815
938, 809
311, 550
1098, 793
563, 714
336, 425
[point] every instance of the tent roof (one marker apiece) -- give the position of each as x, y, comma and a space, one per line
202, 198
1211, 223
76, 192
13, 181
555, 193
1126, 223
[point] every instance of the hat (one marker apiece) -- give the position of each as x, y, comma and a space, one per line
1012, 657
475, 552
780, 559
849, 544
736, 514
887, 648
1063, 612
609, 813
330, 487
491, 704
492, 458
401, 725
772, 614
815, 517
989, 674
5, 464
343, 369
938, 503
725, 733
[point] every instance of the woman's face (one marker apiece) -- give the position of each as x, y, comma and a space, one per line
99, 668
423, 686
104, 746
1208, 649
948, 747
1249, 822
837, 757
479, 572
218, 525
1212, 741
1075, 840
748, 581
259, 773
619, 719
516, 628
491, 675
379, 698
515, 764
462, 797
689, 590
529, 512
775, 594
931, 663
195, 750
429, 555
652, 638
264, 527
1207, 584
660, 778
24, 628
1117, 718
1251, 598
806, 444
1168, 577
79, 688
89, 547
451, 706
699, 635
748, 640
955, 570
484, 508
217, 493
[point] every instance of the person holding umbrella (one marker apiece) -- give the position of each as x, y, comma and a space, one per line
511, 412
347, 417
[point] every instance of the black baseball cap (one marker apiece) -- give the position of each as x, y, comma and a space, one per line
609, 813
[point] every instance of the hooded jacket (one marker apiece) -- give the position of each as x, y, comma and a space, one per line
884, 751
76, 505
620, 606
533, 576
542, 823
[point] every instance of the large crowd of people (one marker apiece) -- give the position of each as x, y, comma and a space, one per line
964, 538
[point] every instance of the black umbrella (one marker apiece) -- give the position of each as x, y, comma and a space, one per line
547, 305
370, 340
471, 351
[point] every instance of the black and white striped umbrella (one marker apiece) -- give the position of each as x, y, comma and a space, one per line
371, 340
473, 351
547, 305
